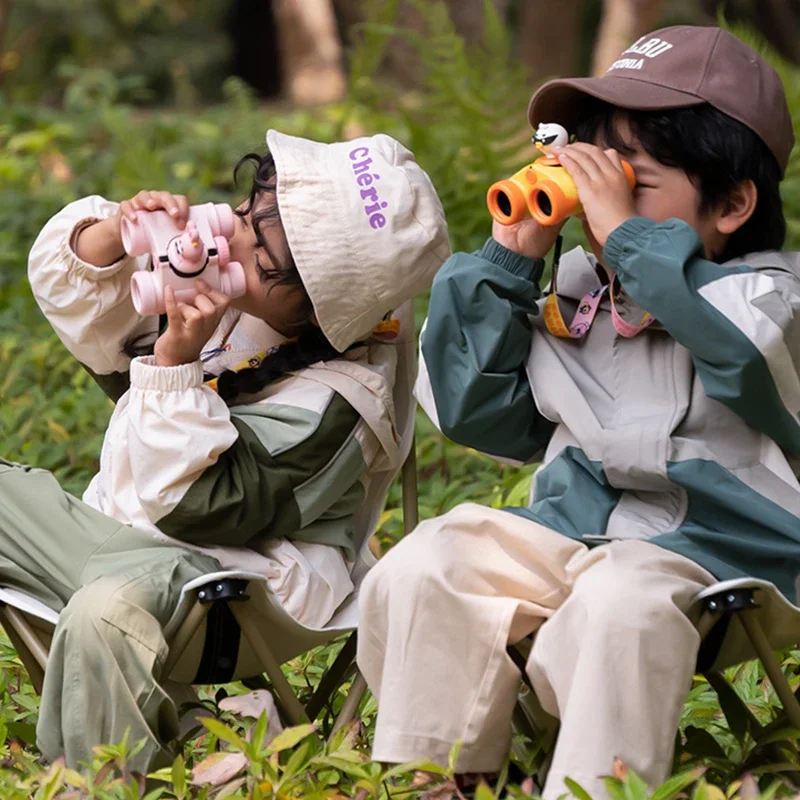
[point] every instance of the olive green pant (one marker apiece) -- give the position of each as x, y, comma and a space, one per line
115, 588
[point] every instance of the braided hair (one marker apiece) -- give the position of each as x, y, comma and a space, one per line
309, 346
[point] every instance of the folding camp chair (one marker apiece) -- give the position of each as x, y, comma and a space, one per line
739, 620
241, 601
215, 609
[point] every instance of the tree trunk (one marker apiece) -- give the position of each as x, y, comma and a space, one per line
311, 51
5, 13
778, 21
549, 38
399, 61
623, 22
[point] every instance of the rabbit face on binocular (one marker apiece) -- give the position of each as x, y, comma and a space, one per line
179, 257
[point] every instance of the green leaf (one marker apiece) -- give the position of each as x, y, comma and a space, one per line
483, 792
781, 735
413, 766
577, 789
224, 732
290, 737
23, 731
635, 788
298, 761
259, 733
677, 783
179, 777
453, 758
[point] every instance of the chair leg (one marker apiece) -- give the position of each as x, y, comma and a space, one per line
717, 681
31, 651
350, 707
773, 669
706, 622
332, 678
410, 491
293, 708
197, 613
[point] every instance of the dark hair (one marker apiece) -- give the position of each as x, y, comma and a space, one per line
310, 345
716, 152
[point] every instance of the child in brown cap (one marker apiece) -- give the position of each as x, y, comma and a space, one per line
666, 423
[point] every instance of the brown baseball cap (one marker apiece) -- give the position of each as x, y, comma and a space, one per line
676, 67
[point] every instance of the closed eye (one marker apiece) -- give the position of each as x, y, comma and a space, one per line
263, 275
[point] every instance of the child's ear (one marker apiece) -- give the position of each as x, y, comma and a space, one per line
737, 208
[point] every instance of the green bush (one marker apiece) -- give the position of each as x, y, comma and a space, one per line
466, 124
137, 50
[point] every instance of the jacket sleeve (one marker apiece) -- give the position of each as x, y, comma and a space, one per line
740, 324
475, 347
89, 307
208, 474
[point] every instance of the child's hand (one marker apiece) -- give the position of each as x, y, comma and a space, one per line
528, 238
176, 205
603, 189
190, 326
100, 243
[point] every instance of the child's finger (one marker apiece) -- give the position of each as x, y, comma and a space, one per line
173, 312
584, 160
219, 299
615, 159
574, 168
128, 211
203, 304
190, 313
168, 202
182, 216
600, 158
592, 154
146, 199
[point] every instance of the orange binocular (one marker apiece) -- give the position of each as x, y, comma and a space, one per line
543, 189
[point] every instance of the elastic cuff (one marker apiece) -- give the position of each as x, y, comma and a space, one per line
146, 374
78, 265
631, 229
529, 268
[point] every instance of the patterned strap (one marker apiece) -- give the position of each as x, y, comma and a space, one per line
385, 331
250, 363
581, 322
587, 310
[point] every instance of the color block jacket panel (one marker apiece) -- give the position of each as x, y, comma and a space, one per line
684, 434
299, 461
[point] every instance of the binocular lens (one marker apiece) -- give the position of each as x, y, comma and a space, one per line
503, 203
544, 204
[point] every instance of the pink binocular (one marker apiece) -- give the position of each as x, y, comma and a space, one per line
180, 257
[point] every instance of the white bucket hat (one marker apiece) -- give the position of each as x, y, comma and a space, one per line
364, 226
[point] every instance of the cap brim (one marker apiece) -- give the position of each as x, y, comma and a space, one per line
562, 100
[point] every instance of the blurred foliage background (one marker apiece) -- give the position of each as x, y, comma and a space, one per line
112, 96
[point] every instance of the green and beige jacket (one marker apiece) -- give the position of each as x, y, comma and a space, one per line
685, 434
287, 484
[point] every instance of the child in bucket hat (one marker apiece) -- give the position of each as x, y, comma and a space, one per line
258, 434
667, 424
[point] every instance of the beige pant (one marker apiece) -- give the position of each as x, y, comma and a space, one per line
613, 660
